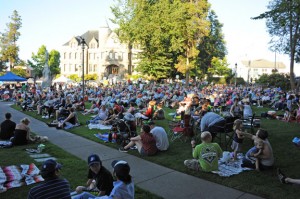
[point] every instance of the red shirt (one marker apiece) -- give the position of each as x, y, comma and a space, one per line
149, 143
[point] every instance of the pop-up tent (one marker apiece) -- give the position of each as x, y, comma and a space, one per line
62, 79
11, 77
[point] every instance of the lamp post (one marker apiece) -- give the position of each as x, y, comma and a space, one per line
235, 74
82, 46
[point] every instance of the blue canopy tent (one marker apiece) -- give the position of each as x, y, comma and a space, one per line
11, 77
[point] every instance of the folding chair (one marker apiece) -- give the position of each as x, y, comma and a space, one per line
176, 131
224, 134
251, 123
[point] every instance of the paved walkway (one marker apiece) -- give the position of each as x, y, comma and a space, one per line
157, 179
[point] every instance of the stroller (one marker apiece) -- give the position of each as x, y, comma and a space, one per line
122, 130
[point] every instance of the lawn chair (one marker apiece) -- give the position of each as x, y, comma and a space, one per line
251, 123
224, 134
180, 132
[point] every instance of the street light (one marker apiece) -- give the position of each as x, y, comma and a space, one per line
235, 74
82, 46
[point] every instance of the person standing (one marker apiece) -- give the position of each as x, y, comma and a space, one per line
99, 179
53, 187
160, 135
7, 128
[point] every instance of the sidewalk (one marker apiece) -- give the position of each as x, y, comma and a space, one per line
162, 181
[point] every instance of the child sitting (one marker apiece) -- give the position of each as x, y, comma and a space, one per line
237, 137
287, 115
255, 151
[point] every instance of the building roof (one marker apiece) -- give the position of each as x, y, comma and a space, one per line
262, 63
88, 36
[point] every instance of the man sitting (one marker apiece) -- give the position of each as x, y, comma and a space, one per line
206, 154
7, 128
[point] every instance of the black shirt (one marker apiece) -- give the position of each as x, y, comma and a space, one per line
104, 180
7, 129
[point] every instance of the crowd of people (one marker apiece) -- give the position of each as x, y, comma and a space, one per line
205, 106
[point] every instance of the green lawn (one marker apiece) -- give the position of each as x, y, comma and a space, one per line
71, 164
264, 184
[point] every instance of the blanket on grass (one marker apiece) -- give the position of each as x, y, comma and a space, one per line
230, 167
5, 144
99, 126
16, 176
104, 137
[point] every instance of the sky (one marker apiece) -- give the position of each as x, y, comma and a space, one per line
54, 22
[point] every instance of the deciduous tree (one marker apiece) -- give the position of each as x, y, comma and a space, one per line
283, 20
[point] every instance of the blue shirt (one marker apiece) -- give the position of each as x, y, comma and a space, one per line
122, 190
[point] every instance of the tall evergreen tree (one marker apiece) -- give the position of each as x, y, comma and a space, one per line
283, 20
212, 45
9, 48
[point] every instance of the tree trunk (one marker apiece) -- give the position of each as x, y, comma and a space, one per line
187, 72
129, 58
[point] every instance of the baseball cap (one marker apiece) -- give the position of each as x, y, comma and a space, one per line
50, 165
93, 159
121, 167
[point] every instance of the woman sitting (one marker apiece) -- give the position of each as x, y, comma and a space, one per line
93, 109
159, 113
22, 133
145, 115
70, 121
101, 116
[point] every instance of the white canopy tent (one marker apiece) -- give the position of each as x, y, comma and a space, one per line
62, 79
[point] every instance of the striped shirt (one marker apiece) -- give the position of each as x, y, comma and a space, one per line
51, 189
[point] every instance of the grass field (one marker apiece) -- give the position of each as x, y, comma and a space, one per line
17, 155
265, 184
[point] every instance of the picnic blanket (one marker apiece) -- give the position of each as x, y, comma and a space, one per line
16, 176
229, 168
5, 144
99, 126
104, 137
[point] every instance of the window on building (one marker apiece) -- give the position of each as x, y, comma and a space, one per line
90, 67
90, 55
75, 55
95, 67
70, 55
76, 68
111, 56
70, 67
64, 67
65, 55
116, 56
94, 55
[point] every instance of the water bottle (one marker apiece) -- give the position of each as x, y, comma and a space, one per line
181, 124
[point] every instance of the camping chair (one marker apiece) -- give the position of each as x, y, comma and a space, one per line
224, 134
251, 123
179, 132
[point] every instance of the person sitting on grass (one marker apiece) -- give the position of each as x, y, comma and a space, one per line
22, 133
7, 128
206, 154
70, 121
102, 115
254, 152
145, 142
266, 157
92, 110
99, 179
286, 180
53, 187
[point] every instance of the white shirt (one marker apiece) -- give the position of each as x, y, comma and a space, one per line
161, 138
